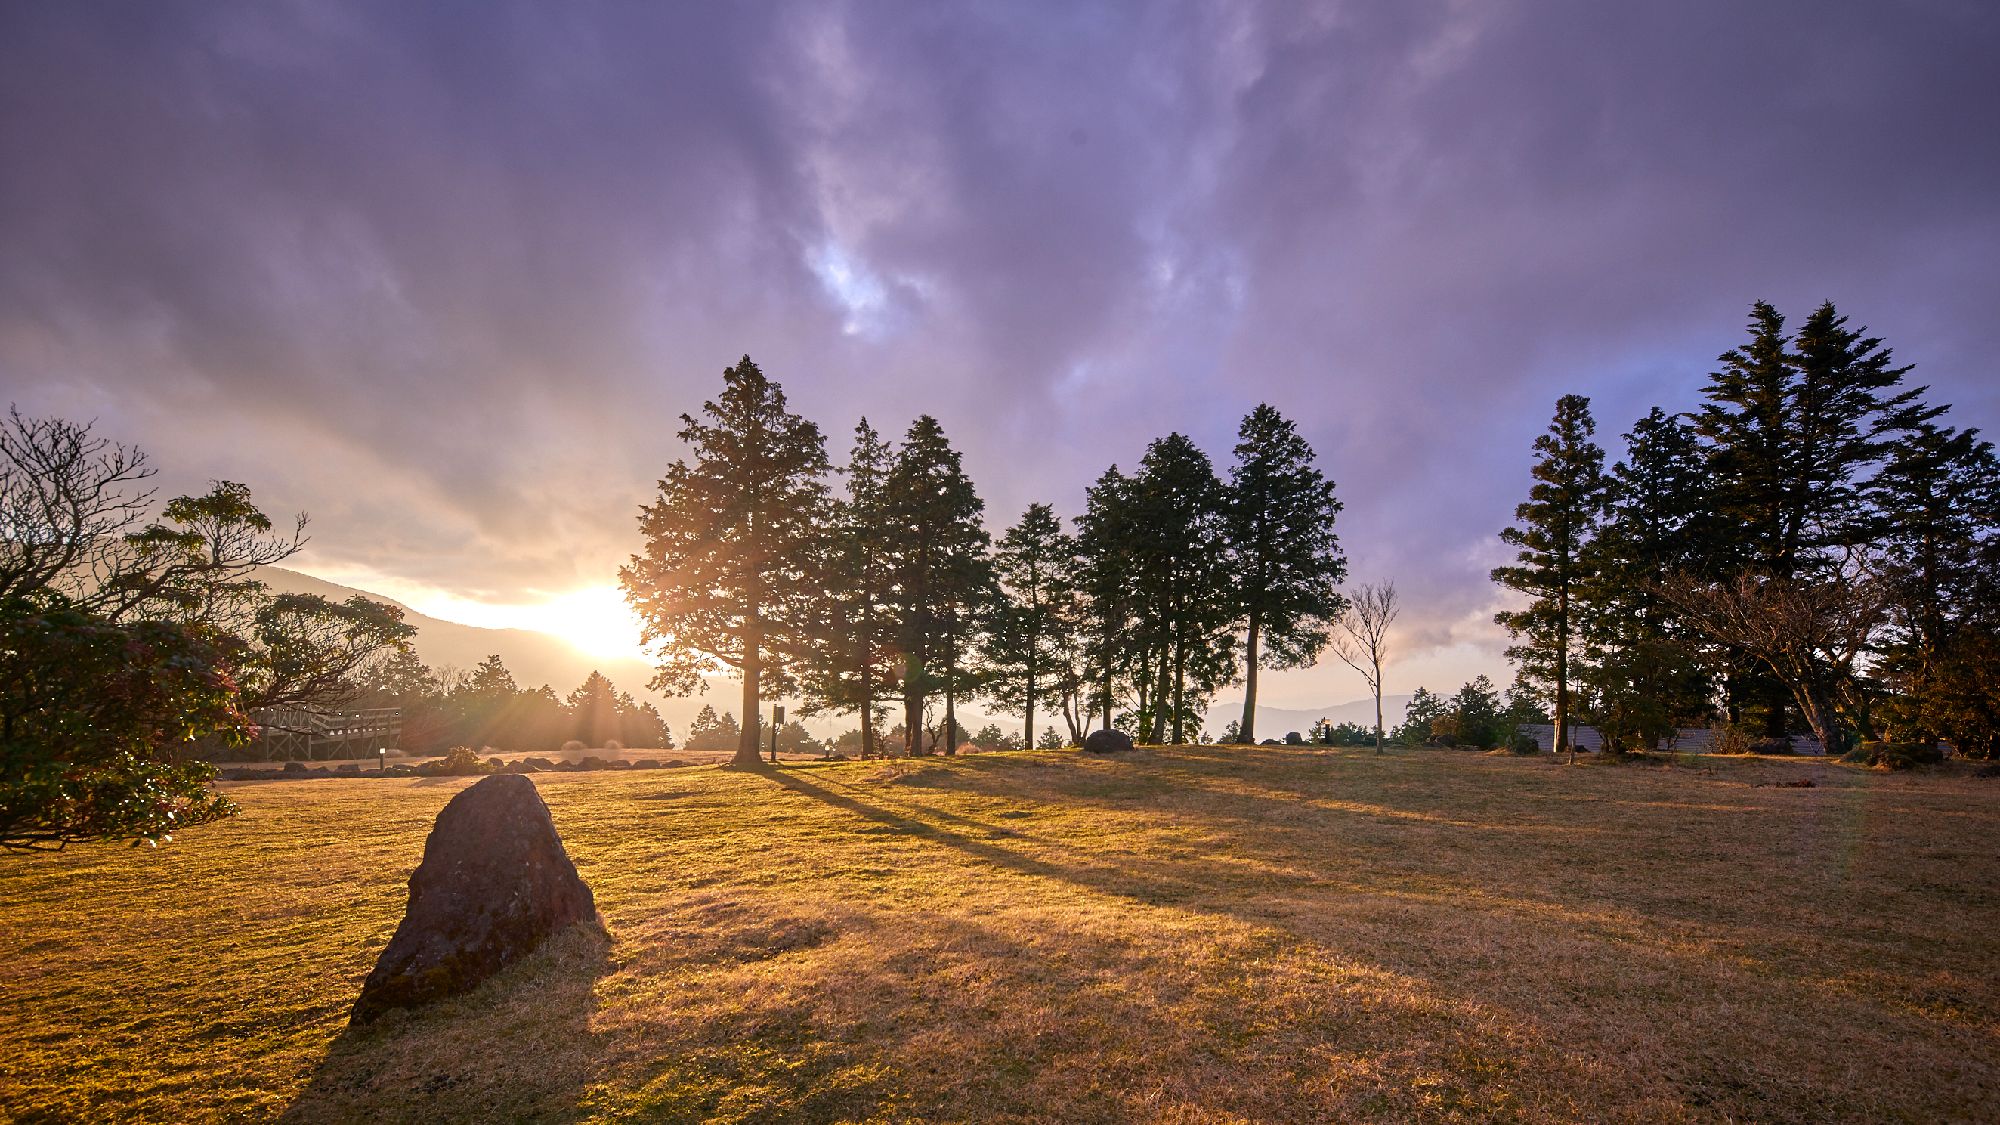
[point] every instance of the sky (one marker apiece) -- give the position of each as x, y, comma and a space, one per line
445, 275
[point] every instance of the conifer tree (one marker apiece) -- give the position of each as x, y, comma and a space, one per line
941, 571
1647, 671
593, 710
1034, 567
1180, 586
1287, 559
1556, 523
725, 580
855, 652
1792, 428
1108, 538
1938, 501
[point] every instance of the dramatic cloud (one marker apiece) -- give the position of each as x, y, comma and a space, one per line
446, 275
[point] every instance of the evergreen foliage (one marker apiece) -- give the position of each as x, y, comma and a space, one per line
1553, 567
1035, 569
1287, 563
726, 577
942, 573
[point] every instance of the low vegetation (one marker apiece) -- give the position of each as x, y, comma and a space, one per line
1190, 934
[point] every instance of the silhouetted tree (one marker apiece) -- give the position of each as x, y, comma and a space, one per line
941, 570
1108, 541
724, 580
1179, 586
711, 731
855, 655
1790, 435
593, 711
1562, 513
1938, 501
1646, 674
1034, 567
1287, 560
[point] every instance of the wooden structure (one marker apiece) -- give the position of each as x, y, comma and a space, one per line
316, 734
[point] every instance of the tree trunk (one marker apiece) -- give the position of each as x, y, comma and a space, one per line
913, 710
1106, 694
1246, 731
867, 677
1180, 693
1028, 735
951, 688
1562, 679
753, 640
867, 714
1376, 660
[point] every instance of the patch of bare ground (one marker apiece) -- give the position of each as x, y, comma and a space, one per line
1185, 934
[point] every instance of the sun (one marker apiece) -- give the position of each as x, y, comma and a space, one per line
596, 620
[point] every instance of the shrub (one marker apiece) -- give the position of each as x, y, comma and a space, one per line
613, 744
1294, 738
1900, 755
460, 761
572, 746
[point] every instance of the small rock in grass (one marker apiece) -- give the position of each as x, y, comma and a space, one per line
1107, 742
493, 885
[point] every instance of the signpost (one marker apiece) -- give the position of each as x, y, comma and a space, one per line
777, 720
382, 757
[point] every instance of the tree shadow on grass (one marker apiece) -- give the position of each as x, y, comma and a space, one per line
439, 1062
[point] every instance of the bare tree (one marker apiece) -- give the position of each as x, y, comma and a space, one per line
68, 501
1808, 633
1361, 639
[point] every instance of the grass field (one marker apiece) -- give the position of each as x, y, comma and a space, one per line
1195, 934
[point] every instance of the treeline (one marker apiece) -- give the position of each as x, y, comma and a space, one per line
887, 592
1810, 550
485, 708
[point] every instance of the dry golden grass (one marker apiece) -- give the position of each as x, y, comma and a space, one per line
1198, 934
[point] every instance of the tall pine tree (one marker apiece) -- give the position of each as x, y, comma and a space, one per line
724, 580
1033, 568
1792, 429
1181, 588
1938, 500
1646, 676
1284, 551
855, 654
941, 572
1108, 538
1563, 511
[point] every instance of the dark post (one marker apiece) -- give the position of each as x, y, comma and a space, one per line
777, 720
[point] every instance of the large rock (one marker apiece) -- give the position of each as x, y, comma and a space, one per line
494, 883
1107, 742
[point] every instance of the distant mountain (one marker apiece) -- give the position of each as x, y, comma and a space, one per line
1274, 722
534, 658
